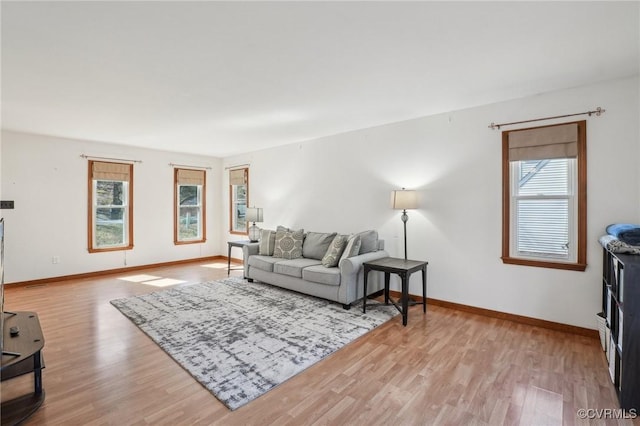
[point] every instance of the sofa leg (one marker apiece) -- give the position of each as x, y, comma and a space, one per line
250, 280
346, 307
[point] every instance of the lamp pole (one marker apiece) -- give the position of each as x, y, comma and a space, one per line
405, 218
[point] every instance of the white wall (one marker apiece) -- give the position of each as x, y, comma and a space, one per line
342, 183
47, 178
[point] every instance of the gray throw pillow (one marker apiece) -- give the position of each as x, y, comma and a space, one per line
288, 244
352, 248
316, 244
267, 242
368, 241
335, 250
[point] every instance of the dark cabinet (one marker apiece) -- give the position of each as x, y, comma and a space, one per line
621, 308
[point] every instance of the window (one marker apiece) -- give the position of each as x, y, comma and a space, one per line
239, 198
111, 211
544, 196
190, 218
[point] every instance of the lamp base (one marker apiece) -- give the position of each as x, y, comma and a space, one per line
254, 233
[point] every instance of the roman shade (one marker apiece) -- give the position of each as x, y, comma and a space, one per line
559, 141
190, 177
110, 171
237, 177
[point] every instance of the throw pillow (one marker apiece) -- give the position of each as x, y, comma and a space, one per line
335, 250
267, 242
368, 241
316, 244
352, 248
288, 244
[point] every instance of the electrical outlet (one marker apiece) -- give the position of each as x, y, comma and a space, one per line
55, 259
6, 204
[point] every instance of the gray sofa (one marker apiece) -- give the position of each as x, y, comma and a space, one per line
325, 265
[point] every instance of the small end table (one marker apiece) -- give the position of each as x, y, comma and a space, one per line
240, 244
404, 268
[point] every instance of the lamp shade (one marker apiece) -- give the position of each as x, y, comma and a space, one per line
254, 214
404, 199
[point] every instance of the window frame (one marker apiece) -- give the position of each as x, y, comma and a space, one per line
176, 209
580, 214
92, 210
233, 203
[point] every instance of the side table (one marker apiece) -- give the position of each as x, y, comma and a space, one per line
404, 268
231, 244
22, 354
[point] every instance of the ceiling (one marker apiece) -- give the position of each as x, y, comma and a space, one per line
223, 78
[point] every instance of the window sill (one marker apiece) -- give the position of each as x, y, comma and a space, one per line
545, 264
179, 243
100, 250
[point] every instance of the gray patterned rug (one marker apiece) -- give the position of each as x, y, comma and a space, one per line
241, 339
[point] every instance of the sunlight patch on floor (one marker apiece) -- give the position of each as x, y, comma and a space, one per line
152, 280
164, 282
139, 278
541, 407
216, 265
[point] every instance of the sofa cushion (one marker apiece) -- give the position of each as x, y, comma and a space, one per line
288, 244
267, 242
322, 275
316, 244
294, 267
332, 256
368, 241
263, 262
352, 248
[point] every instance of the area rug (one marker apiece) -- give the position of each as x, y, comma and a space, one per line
241, 339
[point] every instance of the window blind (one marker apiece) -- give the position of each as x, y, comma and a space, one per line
559, 141
110, 171
190, 177
542, 206
238, 177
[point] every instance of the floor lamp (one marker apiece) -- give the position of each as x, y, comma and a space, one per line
404, 200
254, 214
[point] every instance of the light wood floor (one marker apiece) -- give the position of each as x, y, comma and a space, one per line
448, 367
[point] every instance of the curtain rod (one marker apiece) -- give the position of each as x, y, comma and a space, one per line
237, 166
598, 111
186, 165
109, 158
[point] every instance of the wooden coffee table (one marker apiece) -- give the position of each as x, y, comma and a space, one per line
404, 268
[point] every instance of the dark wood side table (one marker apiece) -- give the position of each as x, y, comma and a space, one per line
403, 268
231, 244
22, 354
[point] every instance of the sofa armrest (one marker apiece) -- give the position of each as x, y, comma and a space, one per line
353, 264
249, 250
352, 276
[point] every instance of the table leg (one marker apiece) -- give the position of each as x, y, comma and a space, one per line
405, 298
424, 290
229, 261
37, 373
364, 296
387, 276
